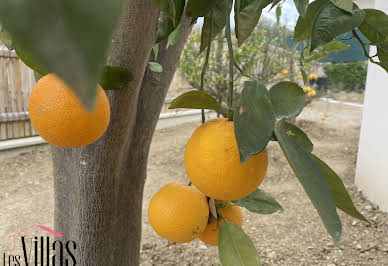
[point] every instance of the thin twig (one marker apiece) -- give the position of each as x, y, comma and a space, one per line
205, 66
242, 72
231, 59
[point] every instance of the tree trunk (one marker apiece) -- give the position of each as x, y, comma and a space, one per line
99, 188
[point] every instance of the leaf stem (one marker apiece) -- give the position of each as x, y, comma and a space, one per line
231, 59
242, 72
363, 47
205, 65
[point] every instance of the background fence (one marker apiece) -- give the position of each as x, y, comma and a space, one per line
16, 82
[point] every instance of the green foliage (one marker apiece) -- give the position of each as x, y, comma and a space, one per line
266, 52
235, 247
68, 38
30, 61
199, 8
288, 99
346, 5
332, 21
168, 7
218, 23
326, 49
172, 11
375, 28
246, 16
155, 67
304, 25
301, 6
5, 37
259, 202
196, 100
309, 175
346, 76
338, 190
278, 13
254, 119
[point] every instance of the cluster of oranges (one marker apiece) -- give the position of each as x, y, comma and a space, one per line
279, 75
182, 213
313, 77
309, 91
60, 118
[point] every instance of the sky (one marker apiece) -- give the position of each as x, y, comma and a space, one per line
289, 14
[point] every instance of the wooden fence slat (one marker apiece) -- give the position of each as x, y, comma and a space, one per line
16, 83
3, 95
18, 98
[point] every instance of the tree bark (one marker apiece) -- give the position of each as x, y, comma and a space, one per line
99, 188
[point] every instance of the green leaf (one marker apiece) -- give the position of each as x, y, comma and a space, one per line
288, 99
278, 13
155, 67
155, 49
30, 61
301, 6
346, 5
6, 38
375, 26
304, 75
219, 22
316, 56
309, 175
326, 49
299, 137
235, 247
165, 28
259, 202
195, 99
174, 36
70, 37
332, 21
254, 119
335, 46
338, 191
304, 25
383, 56
246, 15
168, 7
199, 8
115, 78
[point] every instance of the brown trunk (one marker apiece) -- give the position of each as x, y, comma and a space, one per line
99, 188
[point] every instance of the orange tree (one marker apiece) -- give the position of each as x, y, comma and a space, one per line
131, 48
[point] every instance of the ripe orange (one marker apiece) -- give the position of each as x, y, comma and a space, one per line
213, 164
230, 212
178, 213
60, 118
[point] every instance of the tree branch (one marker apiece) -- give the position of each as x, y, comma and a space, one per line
153, 91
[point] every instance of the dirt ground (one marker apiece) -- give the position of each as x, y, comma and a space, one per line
354, 97
295, 236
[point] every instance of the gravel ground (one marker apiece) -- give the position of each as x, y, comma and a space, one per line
293, 237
